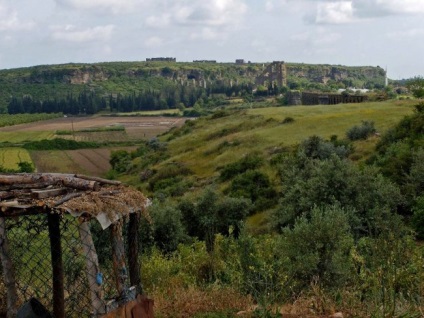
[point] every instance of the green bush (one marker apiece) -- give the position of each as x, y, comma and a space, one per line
255, 186
59, 144
317, 248
249, 162
418, 217
363, 131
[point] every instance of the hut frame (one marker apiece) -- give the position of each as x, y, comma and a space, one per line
85, 198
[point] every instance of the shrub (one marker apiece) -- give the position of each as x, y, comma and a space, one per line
59, 144
318, 248
120, 160
418, 217
255, 186
288, 120
249, 162
363, 131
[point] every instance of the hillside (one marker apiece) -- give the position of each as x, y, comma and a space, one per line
208, 144
106, 80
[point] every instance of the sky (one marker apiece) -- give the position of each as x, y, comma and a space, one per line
385, 33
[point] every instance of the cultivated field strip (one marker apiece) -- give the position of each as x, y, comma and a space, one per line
10, 157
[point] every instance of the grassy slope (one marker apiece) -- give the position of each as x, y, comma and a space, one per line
261, 130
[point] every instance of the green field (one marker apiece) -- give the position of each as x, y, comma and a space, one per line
10, 157
216, 142
22, 136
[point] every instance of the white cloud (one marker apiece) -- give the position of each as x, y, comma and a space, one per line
411, 33
376, 8
71, 33
113, 6
206, 34
153, 42
203, 13
334, 12
9, 20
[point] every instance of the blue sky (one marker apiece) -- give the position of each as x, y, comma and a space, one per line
387, 33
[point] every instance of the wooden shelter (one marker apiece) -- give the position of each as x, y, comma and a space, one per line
57, 196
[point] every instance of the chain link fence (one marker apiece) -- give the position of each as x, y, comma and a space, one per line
91, 281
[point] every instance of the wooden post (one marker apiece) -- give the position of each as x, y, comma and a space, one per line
8, 271
118, 257
133, 249
92, 267
57, 265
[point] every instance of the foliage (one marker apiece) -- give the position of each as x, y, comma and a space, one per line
25, 166
10, 120
211, 214
255, 186
363, 131
418, 217
416, 86
251, 161
120, 160
317, 248
315, 147
167, 228
307, 183
59, 144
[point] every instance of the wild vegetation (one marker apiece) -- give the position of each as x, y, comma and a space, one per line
306, 210
251, 206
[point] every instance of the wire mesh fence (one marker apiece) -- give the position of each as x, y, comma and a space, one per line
91, 281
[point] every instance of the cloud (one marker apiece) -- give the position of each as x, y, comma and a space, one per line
376, 8
411, 33
334, 12
113, 6
202, 13
9, 20
153, 42
71, 33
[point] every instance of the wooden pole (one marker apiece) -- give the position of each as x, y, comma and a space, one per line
57, 265
133, 250
8, 271
92, 267
118, 257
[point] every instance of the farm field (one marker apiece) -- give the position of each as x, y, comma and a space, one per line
94, 162
10, 157
136, 128
88, 161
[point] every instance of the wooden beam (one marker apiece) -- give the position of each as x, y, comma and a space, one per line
92, 267
8, 271
42, 194
100, 180
133, 250
48, 178
57, 265
118, 257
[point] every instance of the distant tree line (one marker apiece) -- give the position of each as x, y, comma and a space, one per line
90, 102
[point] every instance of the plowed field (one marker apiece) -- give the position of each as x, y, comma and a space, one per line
94, 162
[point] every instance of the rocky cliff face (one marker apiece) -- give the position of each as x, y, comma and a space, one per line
323, 73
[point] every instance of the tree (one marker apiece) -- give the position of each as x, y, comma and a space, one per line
416, 86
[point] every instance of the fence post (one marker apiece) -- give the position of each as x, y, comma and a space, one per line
8, 271
133, 249
118, 257
57, 265
92, 267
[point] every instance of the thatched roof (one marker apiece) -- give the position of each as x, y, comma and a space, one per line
35, 193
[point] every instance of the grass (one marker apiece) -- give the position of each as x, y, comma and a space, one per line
55, 160
22, 136
10, 157
151, 113
263, 129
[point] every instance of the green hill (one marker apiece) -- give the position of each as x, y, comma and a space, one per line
108, 80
